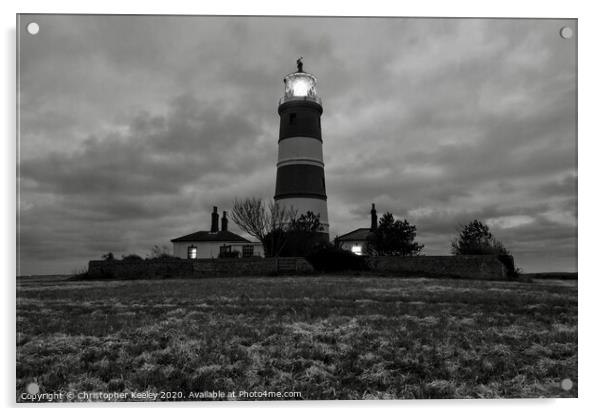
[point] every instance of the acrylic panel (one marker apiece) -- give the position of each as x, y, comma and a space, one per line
295, 208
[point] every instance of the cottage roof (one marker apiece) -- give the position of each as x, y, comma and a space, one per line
225, 236
357, 235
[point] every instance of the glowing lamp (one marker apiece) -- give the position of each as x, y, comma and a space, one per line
356, 249
300, 85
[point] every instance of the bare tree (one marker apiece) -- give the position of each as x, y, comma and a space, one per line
159, 252
266, 222
308, 222
250, 215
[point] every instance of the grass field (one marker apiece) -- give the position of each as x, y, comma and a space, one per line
325, 337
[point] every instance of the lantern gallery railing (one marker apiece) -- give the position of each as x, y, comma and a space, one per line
314, 99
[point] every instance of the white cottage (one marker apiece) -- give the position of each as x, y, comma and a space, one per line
356, 241
215, 242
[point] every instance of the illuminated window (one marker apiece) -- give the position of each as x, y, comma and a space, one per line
356, 250
192, 252
247, 251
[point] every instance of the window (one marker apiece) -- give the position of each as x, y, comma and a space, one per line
356, 249
191, 252
247, 251
225, 249
292, 119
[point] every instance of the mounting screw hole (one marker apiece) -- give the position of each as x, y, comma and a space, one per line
566, 384
566, 32
33, 28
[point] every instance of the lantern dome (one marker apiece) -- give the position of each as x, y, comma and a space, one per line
300, 85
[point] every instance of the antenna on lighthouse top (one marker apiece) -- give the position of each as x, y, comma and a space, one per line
300, 64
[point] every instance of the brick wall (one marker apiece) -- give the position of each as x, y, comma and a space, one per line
181, 268
469, 267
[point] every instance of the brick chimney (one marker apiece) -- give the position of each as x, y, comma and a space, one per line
214, 221
224, 222
373, 224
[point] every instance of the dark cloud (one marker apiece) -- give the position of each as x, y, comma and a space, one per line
156, 155
132, 128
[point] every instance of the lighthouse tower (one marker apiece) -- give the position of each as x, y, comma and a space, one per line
300, 181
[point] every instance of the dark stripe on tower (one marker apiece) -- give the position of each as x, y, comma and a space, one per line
306, 196
300, 119
300, 181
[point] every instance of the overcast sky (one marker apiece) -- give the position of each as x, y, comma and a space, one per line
132, 128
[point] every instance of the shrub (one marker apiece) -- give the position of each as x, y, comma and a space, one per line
273, 242
301, 243
160, 252
394, 238
475, 238
165, 256
508, 261
132, 257
79, 274
234, 254
328, 258
298, 238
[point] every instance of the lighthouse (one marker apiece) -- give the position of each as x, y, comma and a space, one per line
300, 183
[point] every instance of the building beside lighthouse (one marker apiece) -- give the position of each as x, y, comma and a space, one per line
300, 181
357, 241
215, 242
